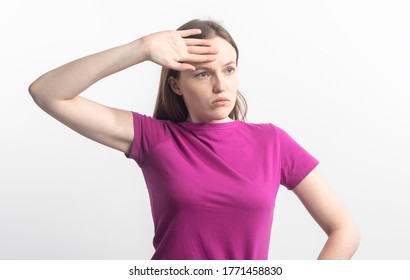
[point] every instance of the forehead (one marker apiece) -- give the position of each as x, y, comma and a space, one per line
227, 52
222, 45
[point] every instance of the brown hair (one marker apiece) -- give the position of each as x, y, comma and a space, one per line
170, 106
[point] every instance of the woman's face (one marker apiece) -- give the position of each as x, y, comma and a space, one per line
210, 91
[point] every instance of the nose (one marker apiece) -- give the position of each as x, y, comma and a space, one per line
218, 85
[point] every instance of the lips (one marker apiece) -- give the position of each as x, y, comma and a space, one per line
220, 100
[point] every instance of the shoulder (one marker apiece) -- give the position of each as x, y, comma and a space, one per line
268, 129
144, 121
148, 133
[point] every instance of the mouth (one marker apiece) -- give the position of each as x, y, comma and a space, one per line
220, 101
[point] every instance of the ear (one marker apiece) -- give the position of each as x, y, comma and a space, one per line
174, 84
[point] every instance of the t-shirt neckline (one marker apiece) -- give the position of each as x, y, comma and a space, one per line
206, 126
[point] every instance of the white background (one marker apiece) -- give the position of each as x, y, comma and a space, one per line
333, 74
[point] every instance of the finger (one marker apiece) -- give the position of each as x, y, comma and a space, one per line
186, 66
197, 42
189, 32
194, 58
182, 66
202, 50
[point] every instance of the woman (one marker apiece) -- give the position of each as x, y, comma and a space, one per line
212, 178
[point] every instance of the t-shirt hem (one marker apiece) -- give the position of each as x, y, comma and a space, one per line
303, 175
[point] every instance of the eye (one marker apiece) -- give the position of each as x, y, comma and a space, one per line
202, 75
230, 70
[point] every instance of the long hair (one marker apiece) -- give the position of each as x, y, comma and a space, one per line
170, 106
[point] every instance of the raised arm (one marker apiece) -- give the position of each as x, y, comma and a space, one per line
331, 215
57, 92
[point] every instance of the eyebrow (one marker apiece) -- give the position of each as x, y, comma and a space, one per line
207, 68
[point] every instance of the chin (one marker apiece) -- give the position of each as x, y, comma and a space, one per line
220, 119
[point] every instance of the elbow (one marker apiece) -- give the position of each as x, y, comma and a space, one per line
352, 239
353, 232
356, 237
36, 91
346, 238
342, 244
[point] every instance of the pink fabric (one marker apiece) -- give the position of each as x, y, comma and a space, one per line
212, 187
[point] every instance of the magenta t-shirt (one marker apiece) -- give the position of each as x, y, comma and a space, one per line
212, 187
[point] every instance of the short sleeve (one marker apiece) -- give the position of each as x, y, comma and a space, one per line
296, 162
147, 133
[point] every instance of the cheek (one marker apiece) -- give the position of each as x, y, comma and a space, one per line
194, 90
232, 81
187, 85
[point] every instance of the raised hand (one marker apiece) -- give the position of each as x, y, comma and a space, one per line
172, 50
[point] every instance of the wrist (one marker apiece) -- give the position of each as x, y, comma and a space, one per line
140, 49
136, 51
